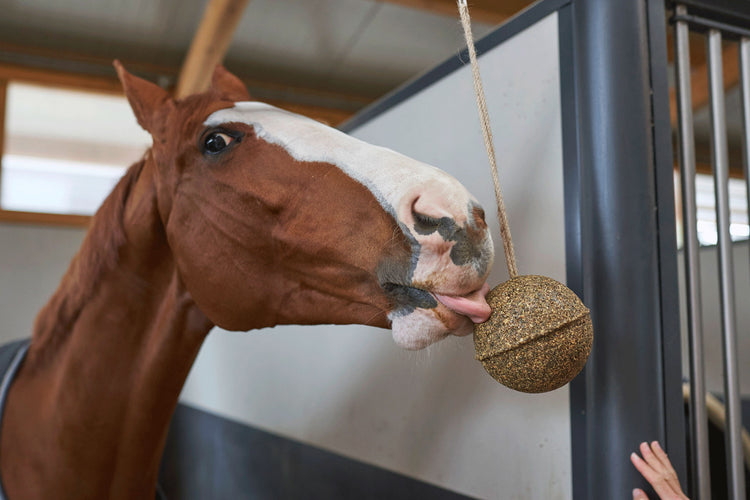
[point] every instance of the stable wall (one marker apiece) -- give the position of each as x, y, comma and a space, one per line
32, 261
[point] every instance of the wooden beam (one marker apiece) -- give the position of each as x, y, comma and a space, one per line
156, 71
54, 78
45, 219
482, 11
209, 45
41, 57
3, 101
111, 85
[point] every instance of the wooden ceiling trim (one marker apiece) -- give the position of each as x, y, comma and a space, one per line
74, 81
44, 218
209, 45
71, 61
3, 101
54, 78
483, 11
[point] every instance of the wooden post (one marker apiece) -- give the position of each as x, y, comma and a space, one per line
3, 100
209, 45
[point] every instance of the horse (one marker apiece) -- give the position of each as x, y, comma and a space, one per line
243, 216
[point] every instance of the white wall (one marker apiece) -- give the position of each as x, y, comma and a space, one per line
32, 261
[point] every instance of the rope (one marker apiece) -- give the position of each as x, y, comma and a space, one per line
484, 118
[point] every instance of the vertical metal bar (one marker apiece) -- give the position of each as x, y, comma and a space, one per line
669, 295
745, 98
733, 443
619, 240
701, 474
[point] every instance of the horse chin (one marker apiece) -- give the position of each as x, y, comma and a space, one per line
422, 327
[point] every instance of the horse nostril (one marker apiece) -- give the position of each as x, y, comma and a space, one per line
439, 219
424, 224
477, 213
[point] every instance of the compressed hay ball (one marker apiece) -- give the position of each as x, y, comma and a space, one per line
538, 337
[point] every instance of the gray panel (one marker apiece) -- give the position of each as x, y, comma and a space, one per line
211, 457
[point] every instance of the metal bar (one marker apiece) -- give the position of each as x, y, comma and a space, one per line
669, 293
701, 474
729, 11
744, 56
709, 23
733, 443
619, 241
573, 257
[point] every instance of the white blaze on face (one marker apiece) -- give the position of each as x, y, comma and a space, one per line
392, 177
401, 185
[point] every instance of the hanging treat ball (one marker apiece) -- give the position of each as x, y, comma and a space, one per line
538, 337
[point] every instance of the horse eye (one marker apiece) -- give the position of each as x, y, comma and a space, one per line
217, 142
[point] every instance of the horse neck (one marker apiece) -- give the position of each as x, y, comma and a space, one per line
89, 411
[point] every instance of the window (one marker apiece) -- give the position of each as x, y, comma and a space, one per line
705, 201
706, 208
65, 149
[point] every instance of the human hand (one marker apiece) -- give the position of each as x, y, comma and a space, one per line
658, 471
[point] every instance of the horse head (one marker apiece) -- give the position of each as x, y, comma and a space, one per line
273, 218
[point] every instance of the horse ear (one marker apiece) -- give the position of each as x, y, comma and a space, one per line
228, 86
145, 98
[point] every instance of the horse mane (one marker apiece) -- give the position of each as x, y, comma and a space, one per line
99, 253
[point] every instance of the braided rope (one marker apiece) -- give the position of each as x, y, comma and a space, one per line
484, 118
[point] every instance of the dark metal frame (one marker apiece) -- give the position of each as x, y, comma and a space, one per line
633, 378
620, 229
731, 12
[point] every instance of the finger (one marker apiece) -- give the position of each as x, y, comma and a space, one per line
650, 458
669, 471
656, 479
639, 494
661, 455
645, 469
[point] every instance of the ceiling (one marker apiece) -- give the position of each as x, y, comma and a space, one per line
339, 54
324, 58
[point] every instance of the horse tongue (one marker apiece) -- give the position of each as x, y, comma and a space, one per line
473, 305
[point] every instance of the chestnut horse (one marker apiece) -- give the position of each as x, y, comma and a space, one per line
243, 216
